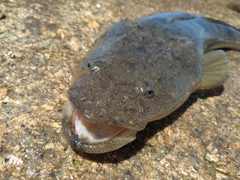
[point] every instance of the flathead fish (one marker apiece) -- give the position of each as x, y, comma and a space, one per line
141, 71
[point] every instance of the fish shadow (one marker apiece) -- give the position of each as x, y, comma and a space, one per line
151, 129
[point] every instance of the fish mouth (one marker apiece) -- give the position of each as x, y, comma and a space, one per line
93, 132
90, 136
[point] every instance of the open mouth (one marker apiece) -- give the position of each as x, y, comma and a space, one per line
93, 132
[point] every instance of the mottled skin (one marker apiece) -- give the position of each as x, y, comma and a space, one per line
140, 71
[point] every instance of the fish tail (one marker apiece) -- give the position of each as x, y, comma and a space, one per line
221, 35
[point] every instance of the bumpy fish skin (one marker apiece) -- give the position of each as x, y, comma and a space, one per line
140, 71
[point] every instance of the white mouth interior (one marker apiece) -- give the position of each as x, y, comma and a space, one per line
96, 132
93, 132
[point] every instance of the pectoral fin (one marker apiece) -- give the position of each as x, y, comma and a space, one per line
215, 69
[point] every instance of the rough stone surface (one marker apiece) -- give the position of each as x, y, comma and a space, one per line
40, 41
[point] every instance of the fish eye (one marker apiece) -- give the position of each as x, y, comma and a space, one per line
150, 93
88, 65
145, 89
96, 65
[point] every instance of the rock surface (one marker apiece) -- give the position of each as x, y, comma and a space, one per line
40, 43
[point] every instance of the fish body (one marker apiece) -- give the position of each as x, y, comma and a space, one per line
141, 71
